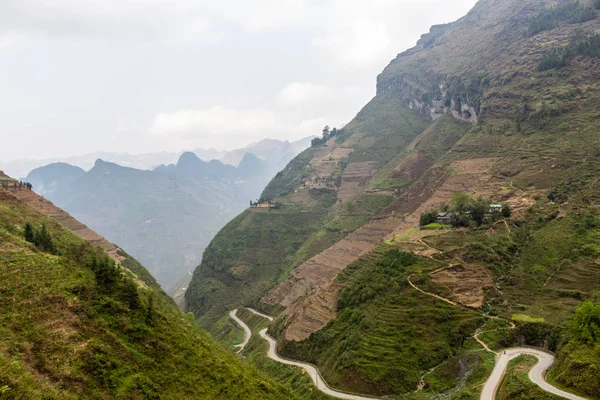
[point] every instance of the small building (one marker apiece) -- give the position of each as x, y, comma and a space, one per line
444, 218
264, 205
495, 208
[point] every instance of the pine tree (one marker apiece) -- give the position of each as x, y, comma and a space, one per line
130, 294
43, 241
29, 233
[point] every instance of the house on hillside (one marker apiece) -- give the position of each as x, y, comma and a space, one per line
495, 208
444, 218
263, 205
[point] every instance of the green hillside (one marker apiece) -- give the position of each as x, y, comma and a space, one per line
74, 325
502, 105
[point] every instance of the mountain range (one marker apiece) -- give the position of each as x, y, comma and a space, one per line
165, 217
263, 148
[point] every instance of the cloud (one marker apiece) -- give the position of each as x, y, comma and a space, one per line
300, 93
7, 41
149, 72
230, 128
215, 121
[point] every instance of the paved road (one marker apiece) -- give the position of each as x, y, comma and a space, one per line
272, 354
253, 311
247, 331
536, 375
312, 371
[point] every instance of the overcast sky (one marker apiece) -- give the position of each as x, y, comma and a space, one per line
78, 76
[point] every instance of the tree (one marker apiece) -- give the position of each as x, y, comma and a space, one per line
130, 294
506, 211
460, 202
29, 233
460, 220
478, 210
428, 217
316, 142
326, 133
586, 322
43, 241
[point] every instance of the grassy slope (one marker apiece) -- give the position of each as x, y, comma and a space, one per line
292, 377
62, 336
516, 383
386, 335
234, 273
268, 244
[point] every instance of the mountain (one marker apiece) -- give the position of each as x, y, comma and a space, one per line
78, 323
54, 177
496, 108
165, 217
270, 150
251, 165
140, 161
285, 151
190, 165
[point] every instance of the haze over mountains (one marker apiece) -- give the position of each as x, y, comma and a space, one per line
20, 168
165, 216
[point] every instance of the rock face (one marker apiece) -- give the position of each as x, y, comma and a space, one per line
436, 103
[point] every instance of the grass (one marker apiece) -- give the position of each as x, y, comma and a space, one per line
289, 377
63, 336
516, 383
434, 226
386, 334
526, 318
264, 243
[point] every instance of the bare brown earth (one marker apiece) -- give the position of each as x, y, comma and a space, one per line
323, 166
354, 179
467, 283
310, 296
46, 207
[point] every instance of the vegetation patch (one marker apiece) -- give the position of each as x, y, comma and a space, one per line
386, 334
572, 12
73, 324
526, 318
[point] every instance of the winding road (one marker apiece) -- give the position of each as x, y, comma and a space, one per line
311, 370
536, 374
246, 329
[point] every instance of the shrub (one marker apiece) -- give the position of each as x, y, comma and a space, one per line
572, 12
41, 239
557, 58
428, 217
506, 211
460, 221
29, 233
585, 324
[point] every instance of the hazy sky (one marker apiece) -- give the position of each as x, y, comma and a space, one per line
136, 76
